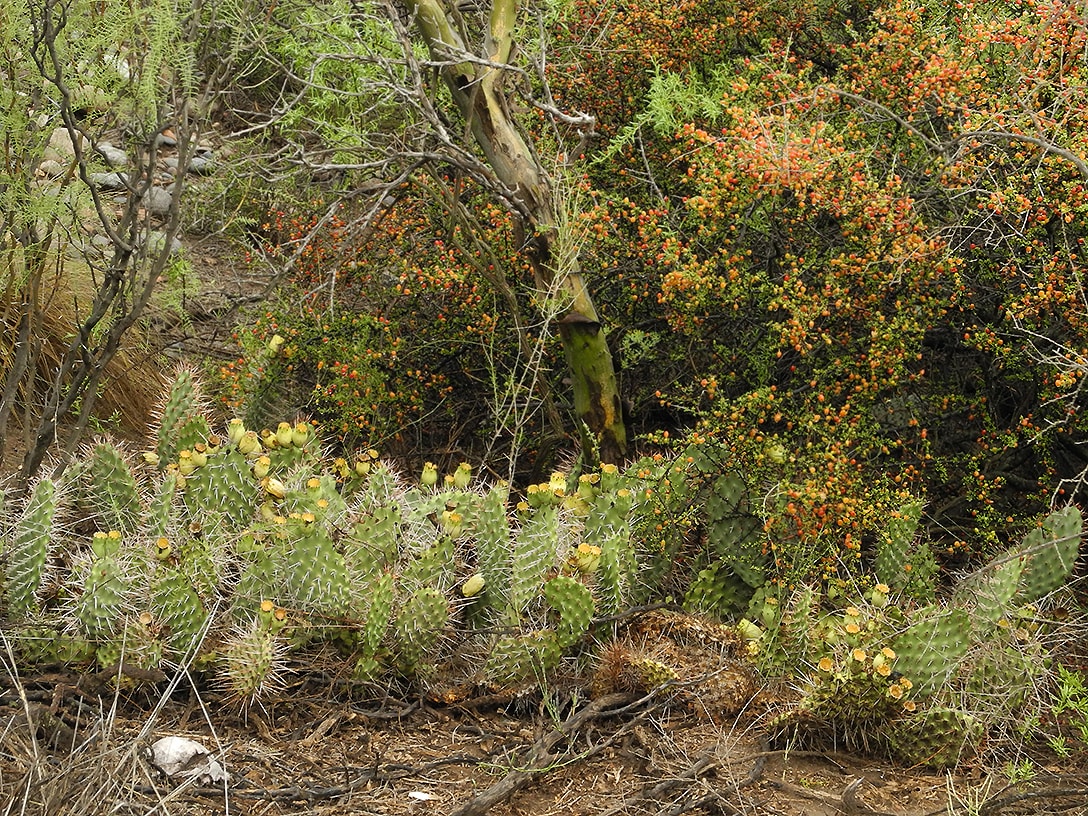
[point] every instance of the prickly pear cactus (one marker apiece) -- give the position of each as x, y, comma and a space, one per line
1040, 564
894, 548
574, 603
315, 575
608, 527
373, 544
181, 423
1048, 554
491, 527
251, 662
717, 591
930, 650
534, 550
938, 737
733, 533
220, 487
178, 607
515, 660
849, 697
417, 628
99, 608
109, 490
26, 553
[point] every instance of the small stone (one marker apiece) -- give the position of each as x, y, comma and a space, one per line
201, 164
114, 156
50, 168
60, 147
109, 181
156, 240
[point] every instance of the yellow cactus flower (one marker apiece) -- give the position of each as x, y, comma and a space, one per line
285, 434
261, 467
587, 558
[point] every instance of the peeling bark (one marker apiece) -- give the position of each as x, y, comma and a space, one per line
478, 89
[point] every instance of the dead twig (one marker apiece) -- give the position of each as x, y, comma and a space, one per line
541, 756
1076, 797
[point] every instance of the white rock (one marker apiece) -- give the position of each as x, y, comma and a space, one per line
181, 758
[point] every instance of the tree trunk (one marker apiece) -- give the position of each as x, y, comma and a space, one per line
478, 90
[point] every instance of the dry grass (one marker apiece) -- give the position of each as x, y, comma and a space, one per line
133, 381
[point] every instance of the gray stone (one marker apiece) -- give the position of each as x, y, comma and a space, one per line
109, 181
157, 201
201, 164
114, 156
156, 240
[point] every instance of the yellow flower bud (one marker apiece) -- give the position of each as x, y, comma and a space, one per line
275, 487
249, 445
462, 477
261, 467
235, 431
300, 435
587, 558
473, 586
285, 434
430, 475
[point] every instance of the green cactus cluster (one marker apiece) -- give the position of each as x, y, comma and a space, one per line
226, 551
951, 672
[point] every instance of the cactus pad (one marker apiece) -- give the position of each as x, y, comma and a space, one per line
26, 556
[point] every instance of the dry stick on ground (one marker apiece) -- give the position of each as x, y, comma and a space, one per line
996, 804
847, 803
541, 757
704, 765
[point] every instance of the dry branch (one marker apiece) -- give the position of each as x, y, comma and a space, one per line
541, 757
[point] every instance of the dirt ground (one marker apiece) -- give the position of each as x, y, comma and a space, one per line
306, 752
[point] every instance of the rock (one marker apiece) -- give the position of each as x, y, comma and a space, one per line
114, 156
158, 201
109, 181
178, 757
60, 148
156, 240
50, 168
201, 164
